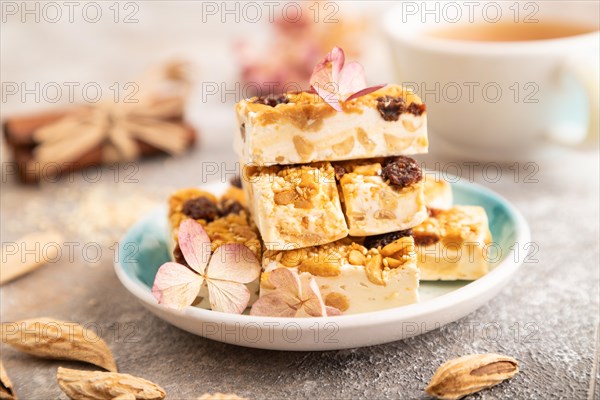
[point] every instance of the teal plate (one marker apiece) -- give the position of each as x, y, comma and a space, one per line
144, 249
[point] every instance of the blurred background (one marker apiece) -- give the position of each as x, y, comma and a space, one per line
234, 42
57, 55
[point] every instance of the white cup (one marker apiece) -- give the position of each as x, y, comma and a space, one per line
497, 100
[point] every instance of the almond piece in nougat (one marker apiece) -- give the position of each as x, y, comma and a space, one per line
353, 277
452, 244
297, 128
295, 206
381, 195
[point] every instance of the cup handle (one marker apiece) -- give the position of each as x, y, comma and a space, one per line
586, 73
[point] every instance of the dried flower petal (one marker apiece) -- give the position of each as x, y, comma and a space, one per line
227, 296
275, 304
176, 286
312, 301
364, 91
285, 280
334, 82
329, 69
195, 245
330, 97
332, 311
352, 78
233, 262
294, 296
232, 266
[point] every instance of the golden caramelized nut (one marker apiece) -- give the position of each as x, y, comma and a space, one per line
359, 216
321, 265
364, 140
393, 262
303, 147
355, 257
344, 147
384, 214
293, 258
412, 125
309, 183
404, 245
367, 169
284, 198
303, 203
374, 269
337, 300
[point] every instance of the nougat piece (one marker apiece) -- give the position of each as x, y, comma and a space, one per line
301, 128
295, 206
452, 244
437, 191
225, 220
235, 193
353, 276
381, 195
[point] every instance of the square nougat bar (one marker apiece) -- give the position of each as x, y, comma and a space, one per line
295, 206
299, 128
355, 275
381, 195
452, 244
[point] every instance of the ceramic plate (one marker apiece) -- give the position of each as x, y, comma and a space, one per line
144, 248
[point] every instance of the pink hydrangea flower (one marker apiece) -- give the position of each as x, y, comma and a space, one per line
294, 296
231, 267
335, 82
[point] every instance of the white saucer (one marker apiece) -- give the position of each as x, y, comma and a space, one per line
143, 249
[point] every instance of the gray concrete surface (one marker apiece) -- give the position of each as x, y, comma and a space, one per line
547, 318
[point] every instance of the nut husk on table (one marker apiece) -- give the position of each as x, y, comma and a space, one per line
21, 262
98, 385
6, 389
469, 374
59, 340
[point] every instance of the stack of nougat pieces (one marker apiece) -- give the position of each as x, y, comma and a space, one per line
337, 195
